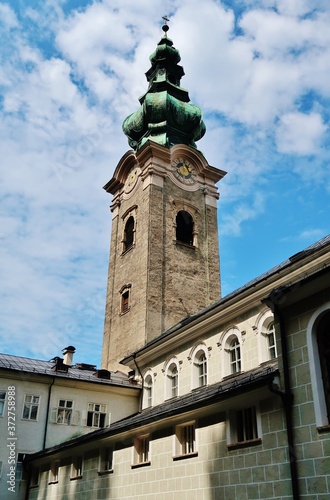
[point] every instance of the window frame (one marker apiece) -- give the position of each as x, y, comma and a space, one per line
31, 406
77, 465
35, 477
184, 232
106, 457
2, 402
54, 472
125, 299
141, 451
322, 419
262, 328
171, 371
67, 412
96, 414
148, 390
225, 345
200, 373
243, 427
185, 445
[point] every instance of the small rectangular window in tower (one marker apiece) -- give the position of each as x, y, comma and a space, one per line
124, 302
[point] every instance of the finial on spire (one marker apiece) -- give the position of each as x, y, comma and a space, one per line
165, 27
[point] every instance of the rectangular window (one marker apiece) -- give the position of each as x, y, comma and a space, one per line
54, 472
106, 460
30, 407
64, 412
19, 472
35, 477
76, 468
185, 440
2, 402
141, 451
0, 468
96, 415
246, 424
243, 428
124, 302
272, 345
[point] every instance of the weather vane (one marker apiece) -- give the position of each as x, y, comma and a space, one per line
165, 27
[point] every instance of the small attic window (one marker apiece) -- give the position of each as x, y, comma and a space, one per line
184, 228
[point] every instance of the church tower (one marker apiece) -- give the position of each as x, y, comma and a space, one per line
164, 258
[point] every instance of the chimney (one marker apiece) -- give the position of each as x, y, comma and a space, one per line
68, 353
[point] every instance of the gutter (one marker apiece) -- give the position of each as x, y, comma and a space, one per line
142, 382
47, 413
287, 397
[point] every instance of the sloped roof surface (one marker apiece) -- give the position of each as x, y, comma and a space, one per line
36, 366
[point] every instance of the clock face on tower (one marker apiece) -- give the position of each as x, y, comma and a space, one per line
131, 179
184, 171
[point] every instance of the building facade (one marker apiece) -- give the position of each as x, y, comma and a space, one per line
234, 390
43, 403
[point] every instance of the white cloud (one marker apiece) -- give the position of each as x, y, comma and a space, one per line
232, 223
8, 16
61, 138
301, 134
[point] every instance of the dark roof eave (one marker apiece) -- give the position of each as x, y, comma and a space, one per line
181, 405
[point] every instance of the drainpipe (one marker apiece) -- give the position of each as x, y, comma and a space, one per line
47, 413
286, 395
141, 395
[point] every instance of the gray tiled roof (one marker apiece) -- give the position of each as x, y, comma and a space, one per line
36, 366
274, 270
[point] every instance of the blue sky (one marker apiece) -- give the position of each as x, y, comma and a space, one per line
71, 71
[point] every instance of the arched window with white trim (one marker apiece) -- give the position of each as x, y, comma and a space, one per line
171, 372
265, 330
148, 386
199, 359
231, 346
234, 349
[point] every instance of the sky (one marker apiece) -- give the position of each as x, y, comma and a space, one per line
72, 70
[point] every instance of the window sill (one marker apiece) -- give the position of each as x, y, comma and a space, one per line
142, 464
244, 444
53, 482
124, 312
185, 245
128, 250
75, 478
183, 457
35, 486
323, 429
105, 472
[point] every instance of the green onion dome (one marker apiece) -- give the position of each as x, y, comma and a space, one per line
165, 115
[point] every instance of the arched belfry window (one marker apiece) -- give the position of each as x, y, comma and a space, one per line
129, 234
323, 343
184, 227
